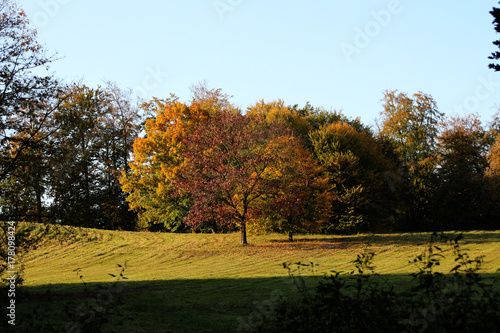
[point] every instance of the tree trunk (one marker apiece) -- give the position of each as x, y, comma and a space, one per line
290, 236
39, 203
243, 228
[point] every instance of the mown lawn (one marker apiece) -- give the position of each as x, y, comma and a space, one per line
200, 282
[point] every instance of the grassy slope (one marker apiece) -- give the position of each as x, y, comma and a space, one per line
188, 282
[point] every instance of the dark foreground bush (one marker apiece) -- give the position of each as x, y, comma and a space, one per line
462, 301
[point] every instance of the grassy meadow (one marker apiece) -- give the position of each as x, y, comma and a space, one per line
202, 282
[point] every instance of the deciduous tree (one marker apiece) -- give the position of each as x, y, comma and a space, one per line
461, 199
494, 159
119, 127
153, 166
411, 125
302, 201
227, 159
77, 171
355, 168
303, 120
26, 99
157, 156
24, 188
95, 129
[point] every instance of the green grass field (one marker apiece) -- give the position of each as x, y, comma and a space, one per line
204, 282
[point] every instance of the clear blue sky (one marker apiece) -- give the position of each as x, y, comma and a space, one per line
334, 54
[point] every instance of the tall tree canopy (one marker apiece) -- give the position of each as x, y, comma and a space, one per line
71, 175
92, 143
355, 167
411, 126
155, 162
227, 162
26, 98
302, 201
494, 159
157, 156
461, 197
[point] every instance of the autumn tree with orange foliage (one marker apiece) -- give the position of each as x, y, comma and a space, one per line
157, 156
302, 201
494, 159
155, 162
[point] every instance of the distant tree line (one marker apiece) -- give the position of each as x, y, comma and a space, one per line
92, 157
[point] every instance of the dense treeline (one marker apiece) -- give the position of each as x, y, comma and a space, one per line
71, 175
291, 169
93, 157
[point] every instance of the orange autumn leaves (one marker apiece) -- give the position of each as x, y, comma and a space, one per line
156, 161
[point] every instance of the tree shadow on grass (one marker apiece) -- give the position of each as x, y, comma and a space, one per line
212, 305
190, 305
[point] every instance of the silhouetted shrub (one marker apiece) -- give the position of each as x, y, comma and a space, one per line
463, 301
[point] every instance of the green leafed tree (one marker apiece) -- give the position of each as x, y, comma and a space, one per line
355, 168
301, 201
76, 175
27, 100
462, 200
26, 96
410, 124
92, 144
303, 120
